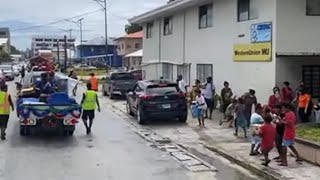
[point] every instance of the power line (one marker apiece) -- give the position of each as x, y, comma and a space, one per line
55, 22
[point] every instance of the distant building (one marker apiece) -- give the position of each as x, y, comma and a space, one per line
129, 43
51, 43
5, 44
94, 50
133, 60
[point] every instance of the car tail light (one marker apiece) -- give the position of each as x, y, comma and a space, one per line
146, 97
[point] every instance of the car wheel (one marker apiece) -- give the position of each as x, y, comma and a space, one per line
183, 119
140, 117
111, 96
129, 110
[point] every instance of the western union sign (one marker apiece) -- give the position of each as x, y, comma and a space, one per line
252, 52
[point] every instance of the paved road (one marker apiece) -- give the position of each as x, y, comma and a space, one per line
112, 152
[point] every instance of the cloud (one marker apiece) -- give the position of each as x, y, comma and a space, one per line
18, 14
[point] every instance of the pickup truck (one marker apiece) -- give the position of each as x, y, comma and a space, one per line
118, 83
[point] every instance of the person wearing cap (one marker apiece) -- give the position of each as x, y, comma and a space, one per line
208, 92
275, 98
5, 104
250, 100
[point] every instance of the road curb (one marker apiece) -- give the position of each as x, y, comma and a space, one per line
266, 173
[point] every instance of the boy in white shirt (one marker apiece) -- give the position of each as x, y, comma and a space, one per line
202, 107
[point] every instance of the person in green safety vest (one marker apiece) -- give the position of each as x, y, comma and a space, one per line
5, 103
89, 103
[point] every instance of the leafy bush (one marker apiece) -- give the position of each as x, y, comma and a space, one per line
309, 132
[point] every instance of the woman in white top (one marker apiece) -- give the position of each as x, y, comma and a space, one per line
202, 107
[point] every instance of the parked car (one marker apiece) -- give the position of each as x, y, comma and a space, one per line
157, 99
119, 83
7, 72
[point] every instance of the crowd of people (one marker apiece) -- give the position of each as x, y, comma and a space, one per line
269, 125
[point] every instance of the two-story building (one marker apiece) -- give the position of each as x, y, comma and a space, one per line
130, 47
249, 43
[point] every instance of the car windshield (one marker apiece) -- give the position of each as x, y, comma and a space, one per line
162, 89
122, 76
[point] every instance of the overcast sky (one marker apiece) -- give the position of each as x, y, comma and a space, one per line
19, 14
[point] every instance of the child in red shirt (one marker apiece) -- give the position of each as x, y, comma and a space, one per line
268, 135
289, 121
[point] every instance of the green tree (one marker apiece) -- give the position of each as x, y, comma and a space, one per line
14, 50
132, 28
4, 57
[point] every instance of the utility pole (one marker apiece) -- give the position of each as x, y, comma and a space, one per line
58, 50
106, 29
65, 53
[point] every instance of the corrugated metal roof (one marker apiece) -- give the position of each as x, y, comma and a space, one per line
99, 41
136, 35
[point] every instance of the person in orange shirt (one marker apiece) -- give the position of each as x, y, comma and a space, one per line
94, 82
304, 108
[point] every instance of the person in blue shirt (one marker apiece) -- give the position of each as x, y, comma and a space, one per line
45, 86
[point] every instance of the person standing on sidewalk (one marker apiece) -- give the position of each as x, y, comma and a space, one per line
277, 116
287, 93
5, 104
304, 105
240, 118
256, 121
94, 82
226, 96
250, 101
208, 93
289, 121
89, 102
182, 85
202, 107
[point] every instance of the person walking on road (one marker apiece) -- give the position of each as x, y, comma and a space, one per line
94, 82
5, 103
89, 103
208, 93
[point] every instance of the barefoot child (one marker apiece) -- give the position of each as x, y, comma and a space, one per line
202, 107
240, 117
268, 134
256, 121
229, 113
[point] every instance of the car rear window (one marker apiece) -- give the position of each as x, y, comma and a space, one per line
162, 89
122, 76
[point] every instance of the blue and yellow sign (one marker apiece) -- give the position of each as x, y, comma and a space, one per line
252, 52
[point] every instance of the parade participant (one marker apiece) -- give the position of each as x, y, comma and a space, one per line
45, 86
226, 96
240, 118
287, 93
229, 113
202, 107
73, 75
256, 121
94, 82
304, 108
182, 84
250, 100
277, 116
89, 102
208, 92
5, 104
275, 98
195, 88
289, 121
268, 133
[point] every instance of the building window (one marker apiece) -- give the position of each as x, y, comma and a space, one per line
205, 16
39, 40
204, 71
167, 71
313, 7
149, 30
247, 10
137, 46
48, 40
311, 79
128, 46
167, 25
122, 46
184, 70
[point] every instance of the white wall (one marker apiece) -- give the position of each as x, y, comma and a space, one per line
215, 46
151, 45
296, 32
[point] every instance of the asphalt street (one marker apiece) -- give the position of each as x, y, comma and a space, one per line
112, 152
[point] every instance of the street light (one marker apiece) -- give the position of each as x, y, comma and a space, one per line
103, 4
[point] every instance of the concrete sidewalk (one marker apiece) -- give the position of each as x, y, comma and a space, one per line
221, 140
